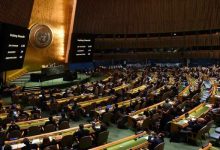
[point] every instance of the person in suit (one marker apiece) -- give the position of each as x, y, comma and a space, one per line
63, 118
167, 105
100, 129
81, 132
13, 127
116, 109
50, 121
196, 125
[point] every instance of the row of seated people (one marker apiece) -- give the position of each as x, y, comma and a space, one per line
166, 106
118, 97
83, 138
178, 107
124, 112
58, 93
131, 107
66, 93
75, 111
167, 111
19, 114
7, 108
13, 131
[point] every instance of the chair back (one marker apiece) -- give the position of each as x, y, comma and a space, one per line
107, 118
160, 146
208, 126
49, 128
156, 116
146, 123
102, 138
34, 130
67, 141
64, 125
16, 134
122, 122
131, 122
85, 143
201, 132
210, 123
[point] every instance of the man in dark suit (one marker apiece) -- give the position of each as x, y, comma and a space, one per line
13, 127
63, 118
99, 129
81, 132
51, 121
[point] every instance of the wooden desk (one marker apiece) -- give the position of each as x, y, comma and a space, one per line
158, 91
132, 142
137, 114
120, 104
107, 79
208, 147
97, 101
74, 98
182, 122
118, 88
137, 89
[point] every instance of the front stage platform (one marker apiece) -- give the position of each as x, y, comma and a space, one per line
24, 81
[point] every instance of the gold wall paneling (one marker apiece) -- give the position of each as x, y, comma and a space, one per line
57, 14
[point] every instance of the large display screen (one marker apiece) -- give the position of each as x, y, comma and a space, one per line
13, 44
81, 48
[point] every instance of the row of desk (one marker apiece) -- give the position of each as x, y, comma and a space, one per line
132, 142
126, 104
73, 98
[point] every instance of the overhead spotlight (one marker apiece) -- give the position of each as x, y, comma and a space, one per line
174, 34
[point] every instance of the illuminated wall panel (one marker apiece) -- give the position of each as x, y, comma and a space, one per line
57, 14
